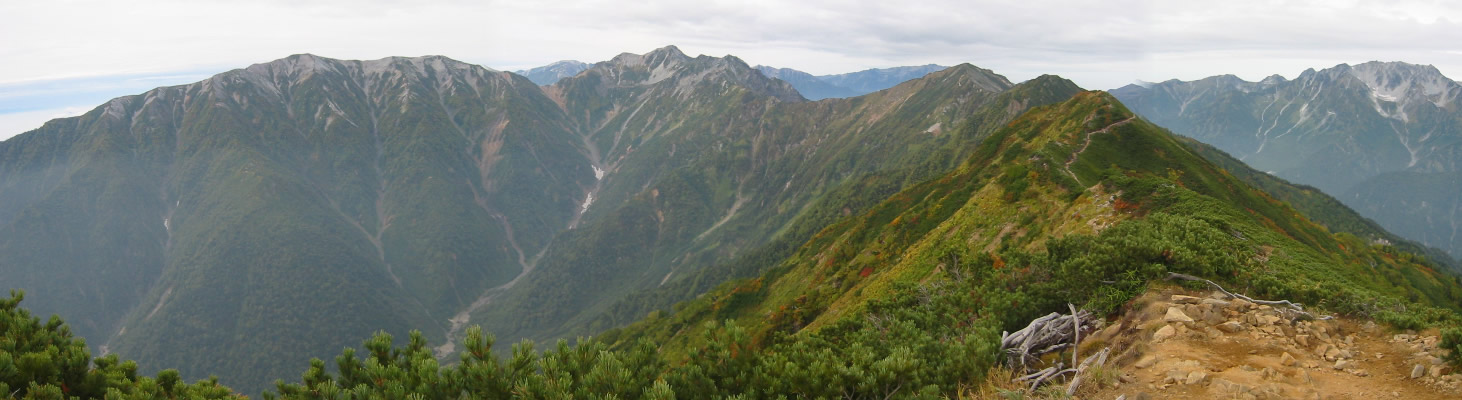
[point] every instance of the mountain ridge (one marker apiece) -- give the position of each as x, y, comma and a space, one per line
1370, 119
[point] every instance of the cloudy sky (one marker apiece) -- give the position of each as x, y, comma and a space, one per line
65, 57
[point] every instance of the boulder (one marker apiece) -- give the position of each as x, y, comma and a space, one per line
1164, 333
1176, 315
1287, 360
1195, 377
1302, 340
1417, 371
1231, 327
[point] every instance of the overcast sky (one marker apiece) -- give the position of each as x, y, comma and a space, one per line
63, 57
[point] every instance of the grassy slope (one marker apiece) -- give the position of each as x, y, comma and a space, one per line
1146, 204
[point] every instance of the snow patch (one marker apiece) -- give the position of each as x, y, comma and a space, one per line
598, 174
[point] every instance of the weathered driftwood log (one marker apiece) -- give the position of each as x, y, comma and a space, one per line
1100, 358
1293, 307
1050, 333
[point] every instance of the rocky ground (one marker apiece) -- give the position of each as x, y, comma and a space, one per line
1183, 345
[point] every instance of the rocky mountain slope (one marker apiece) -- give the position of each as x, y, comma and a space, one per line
1378, 136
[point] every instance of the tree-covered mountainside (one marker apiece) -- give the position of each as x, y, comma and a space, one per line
1078, 202
273, 211
1322, 208
282, 211
45, 361
1355, 132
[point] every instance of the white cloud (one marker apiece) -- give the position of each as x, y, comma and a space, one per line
12, 124
1099, 44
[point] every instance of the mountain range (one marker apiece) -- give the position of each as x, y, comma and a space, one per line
283, 210
243, 224
551, 73
849, 84
812, 87
1385, 138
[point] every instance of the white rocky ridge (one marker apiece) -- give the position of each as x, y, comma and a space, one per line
1397, 82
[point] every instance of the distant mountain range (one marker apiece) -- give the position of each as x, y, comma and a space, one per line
551, 73
812, 87
1385, 138
850, 84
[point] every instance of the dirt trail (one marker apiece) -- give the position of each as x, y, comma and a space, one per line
1087, 143
1179, 345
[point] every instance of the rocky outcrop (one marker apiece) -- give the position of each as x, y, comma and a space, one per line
1214, 346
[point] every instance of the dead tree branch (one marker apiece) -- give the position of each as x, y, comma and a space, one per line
1296, 308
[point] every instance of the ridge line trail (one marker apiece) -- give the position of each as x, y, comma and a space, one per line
1087, 143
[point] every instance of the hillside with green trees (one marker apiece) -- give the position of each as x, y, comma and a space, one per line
1078, 202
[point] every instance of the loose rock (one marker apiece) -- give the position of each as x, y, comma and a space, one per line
1231, 327
1164, 333
1176, 315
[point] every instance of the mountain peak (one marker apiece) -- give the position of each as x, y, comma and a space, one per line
668, 63
1393, 81
984, 78
668, 51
